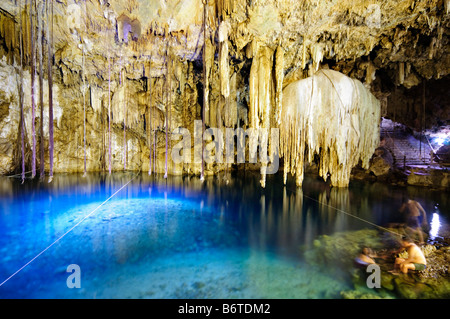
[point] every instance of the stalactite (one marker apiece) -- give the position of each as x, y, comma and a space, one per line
205, 88
84, 94
104, 132
224, 72
370, 73
422, 124
185, 102
155, 136
232, 105
33, 107
50, 85
169, 93
227, 6
84, 89
8, 33
260, 96
279, 76
260, 88
22, 120
208, 59
185, 105
124, 121
304, 53
109, 111
401, 72
317, 53
41, 92
332, 116
224, 76
150, 126
167, 116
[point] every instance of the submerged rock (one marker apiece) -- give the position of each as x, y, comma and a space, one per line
340, 249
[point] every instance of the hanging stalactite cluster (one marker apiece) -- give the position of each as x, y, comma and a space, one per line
32, 17
331, 116
232, 67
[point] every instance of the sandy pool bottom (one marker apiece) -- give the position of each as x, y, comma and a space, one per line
206, 274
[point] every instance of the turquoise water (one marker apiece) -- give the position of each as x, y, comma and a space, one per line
181, 238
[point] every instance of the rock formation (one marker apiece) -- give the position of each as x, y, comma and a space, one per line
332, 116
123, 66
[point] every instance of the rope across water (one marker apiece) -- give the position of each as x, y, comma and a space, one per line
72, 228
349, 214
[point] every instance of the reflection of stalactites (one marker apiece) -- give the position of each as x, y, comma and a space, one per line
340, 198
299, 200
339, 202
285, 205
335, 207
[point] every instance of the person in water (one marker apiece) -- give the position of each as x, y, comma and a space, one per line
416, 217
416, 259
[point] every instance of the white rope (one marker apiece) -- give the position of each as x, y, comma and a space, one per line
63, 235
354, 216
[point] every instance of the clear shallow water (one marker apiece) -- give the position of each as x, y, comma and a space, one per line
180, 238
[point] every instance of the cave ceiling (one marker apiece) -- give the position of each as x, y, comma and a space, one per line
400, 42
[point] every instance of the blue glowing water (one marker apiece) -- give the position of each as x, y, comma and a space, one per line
180, 238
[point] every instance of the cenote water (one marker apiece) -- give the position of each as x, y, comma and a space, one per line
181, 238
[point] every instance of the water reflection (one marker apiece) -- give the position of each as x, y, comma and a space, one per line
280, 217
154, 217
435, 225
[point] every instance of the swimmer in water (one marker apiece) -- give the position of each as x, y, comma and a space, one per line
416, 216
